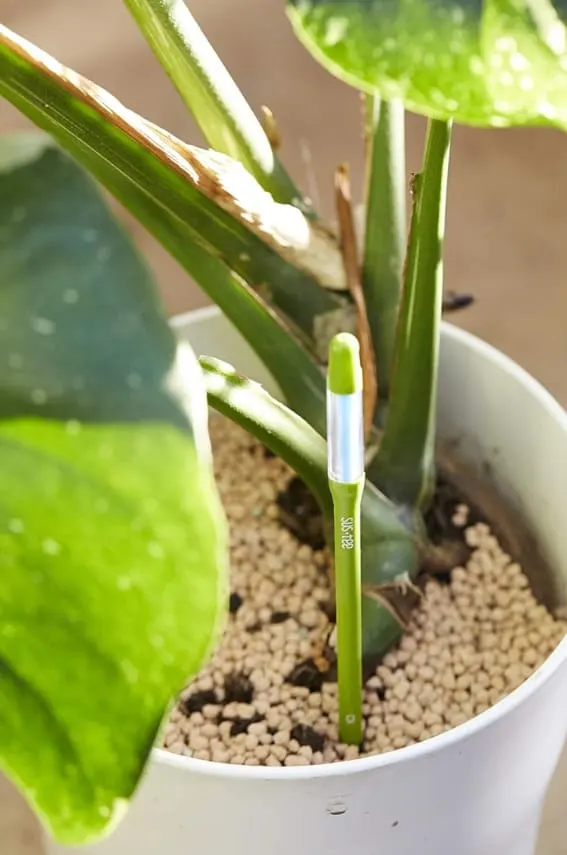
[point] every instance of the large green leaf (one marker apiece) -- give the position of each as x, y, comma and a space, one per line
487, 62
112, 538
221, 206
225, 117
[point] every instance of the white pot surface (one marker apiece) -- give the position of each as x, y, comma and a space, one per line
475, 790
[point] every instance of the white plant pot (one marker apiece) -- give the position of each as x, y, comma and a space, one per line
476, 790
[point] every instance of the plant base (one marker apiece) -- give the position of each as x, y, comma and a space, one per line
269, 697
475, 789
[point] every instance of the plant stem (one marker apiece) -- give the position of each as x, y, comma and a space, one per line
389, 550
346, 502
218, 105
404, 467
385, 234
268, 420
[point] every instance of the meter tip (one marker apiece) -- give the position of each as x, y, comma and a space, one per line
345, 372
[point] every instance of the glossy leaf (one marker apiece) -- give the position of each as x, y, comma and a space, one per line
272, 246
404, 467
390, 552
226, 119
278, 345
494, 63
113, 548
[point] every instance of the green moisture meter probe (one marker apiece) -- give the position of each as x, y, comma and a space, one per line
345, 468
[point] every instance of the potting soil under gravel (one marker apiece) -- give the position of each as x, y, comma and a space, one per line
265, 698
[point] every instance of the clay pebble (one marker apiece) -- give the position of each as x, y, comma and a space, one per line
266, 697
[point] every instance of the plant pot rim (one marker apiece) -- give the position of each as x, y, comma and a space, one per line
435, 743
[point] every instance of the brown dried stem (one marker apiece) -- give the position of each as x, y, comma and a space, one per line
349, 252
271, 128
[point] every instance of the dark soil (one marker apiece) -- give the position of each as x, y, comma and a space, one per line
197, 701
300, 514
439, 517
307, 675
306, 735
234, 602
238, 688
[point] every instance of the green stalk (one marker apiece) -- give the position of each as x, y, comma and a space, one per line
345, 438
385, 230
404, 468
205, 85
348, 592
286, 434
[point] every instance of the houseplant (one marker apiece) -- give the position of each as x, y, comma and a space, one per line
260, 258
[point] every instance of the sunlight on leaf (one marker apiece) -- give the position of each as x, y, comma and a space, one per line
495, 63
112, 539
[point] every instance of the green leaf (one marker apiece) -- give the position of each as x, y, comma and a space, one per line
404, 467
113, 548
272, 246
289, 361
390, 551
385, 230
279, 428
278, 345
226, 119
493, 63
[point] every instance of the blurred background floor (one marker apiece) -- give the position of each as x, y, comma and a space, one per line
507, 217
